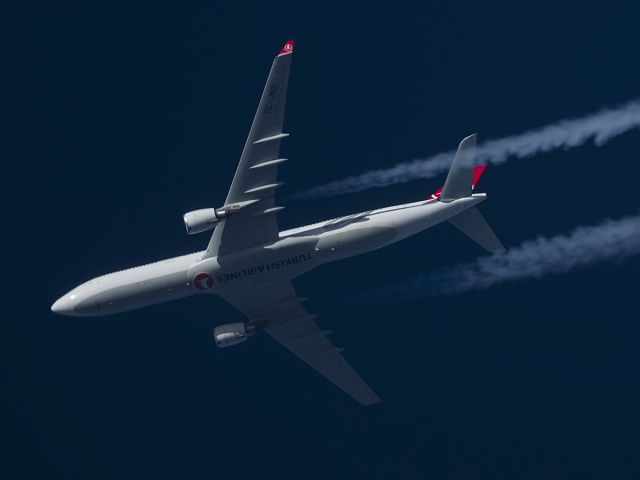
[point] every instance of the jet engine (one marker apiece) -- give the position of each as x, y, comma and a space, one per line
202, 220
205, 219
232, 334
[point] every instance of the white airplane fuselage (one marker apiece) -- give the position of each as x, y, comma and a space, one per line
249, 263
297, 251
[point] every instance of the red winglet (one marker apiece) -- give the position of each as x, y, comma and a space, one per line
478, 170
288, 47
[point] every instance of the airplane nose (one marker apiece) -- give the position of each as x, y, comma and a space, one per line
63, 306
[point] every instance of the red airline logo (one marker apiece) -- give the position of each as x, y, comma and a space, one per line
203, 281
288, 47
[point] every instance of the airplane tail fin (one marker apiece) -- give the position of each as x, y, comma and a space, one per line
460, 182
460, 177
472, 223
463, 175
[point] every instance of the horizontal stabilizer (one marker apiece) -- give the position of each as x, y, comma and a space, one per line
472, 223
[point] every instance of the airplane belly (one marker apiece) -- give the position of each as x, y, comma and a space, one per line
368, 233
413, 220
348, 242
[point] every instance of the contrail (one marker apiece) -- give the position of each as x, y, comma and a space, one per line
601, 127
609, 241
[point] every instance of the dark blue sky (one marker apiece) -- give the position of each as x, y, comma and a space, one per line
147, 109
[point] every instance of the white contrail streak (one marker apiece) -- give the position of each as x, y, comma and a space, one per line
601, 127
609, 241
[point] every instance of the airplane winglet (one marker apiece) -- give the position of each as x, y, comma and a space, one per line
288, 47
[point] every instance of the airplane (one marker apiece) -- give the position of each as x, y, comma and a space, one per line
250, 263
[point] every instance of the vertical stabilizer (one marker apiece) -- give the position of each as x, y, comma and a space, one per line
460, 177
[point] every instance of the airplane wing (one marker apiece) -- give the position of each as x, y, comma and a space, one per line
255, 180
293, 327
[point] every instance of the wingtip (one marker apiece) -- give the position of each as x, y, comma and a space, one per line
287, 48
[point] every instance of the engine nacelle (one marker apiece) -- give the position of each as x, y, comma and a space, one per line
232, 334
205, 219
202, 220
